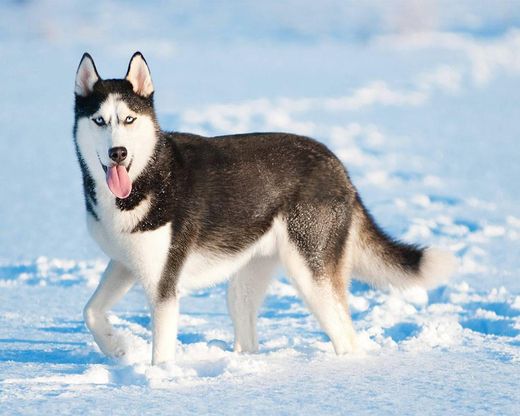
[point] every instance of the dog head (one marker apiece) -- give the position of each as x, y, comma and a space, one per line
115, 124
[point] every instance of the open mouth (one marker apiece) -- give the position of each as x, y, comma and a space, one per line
105, 168
118, 180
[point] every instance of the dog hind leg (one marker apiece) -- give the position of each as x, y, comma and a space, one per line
246, 291
328, 303
316, 258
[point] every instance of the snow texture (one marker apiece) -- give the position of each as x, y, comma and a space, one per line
420, 101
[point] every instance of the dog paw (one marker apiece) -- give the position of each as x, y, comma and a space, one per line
118, 353
112, 345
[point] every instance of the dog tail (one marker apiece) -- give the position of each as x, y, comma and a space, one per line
381, 260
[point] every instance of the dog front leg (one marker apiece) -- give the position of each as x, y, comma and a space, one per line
165, 317
114, 284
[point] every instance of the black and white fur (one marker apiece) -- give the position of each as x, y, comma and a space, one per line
202, 210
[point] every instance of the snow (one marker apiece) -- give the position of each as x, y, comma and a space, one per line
410, 339
421, 105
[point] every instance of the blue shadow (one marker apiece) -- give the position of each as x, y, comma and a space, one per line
503, 328
402, 331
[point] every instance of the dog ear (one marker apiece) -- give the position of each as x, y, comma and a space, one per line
139, 75
86, 76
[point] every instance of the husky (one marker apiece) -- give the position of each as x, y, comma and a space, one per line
177, 211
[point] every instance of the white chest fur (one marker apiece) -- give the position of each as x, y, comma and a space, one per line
144, 253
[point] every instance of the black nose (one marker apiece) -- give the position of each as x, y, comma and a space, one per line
117, 154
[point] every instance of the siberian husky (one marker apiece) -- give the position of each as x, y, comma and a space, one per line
177, 211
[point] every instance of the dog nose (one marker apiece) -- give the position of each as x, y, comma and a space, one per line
117, 154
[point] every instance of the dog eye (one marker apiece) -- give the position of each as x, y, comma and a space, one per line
100, 121
129, 119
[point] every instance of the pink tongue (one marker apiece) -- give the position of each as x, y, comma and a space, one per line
119, 182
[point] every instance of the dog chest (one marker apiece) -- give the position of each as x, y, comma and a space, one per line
145, 253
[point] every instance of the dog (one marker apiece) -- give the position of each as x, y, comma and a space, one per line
177, 211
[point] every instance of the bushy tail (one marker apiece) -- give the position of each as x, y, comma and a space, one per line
380, 260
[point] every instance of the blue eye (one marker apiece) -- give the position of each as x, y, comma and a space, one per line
129, 119
100, 121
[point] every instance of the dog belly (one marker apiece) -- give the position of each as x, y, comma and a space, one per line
203, 268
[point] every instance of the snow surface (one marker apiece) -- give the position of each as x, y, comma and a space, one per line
421, 103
